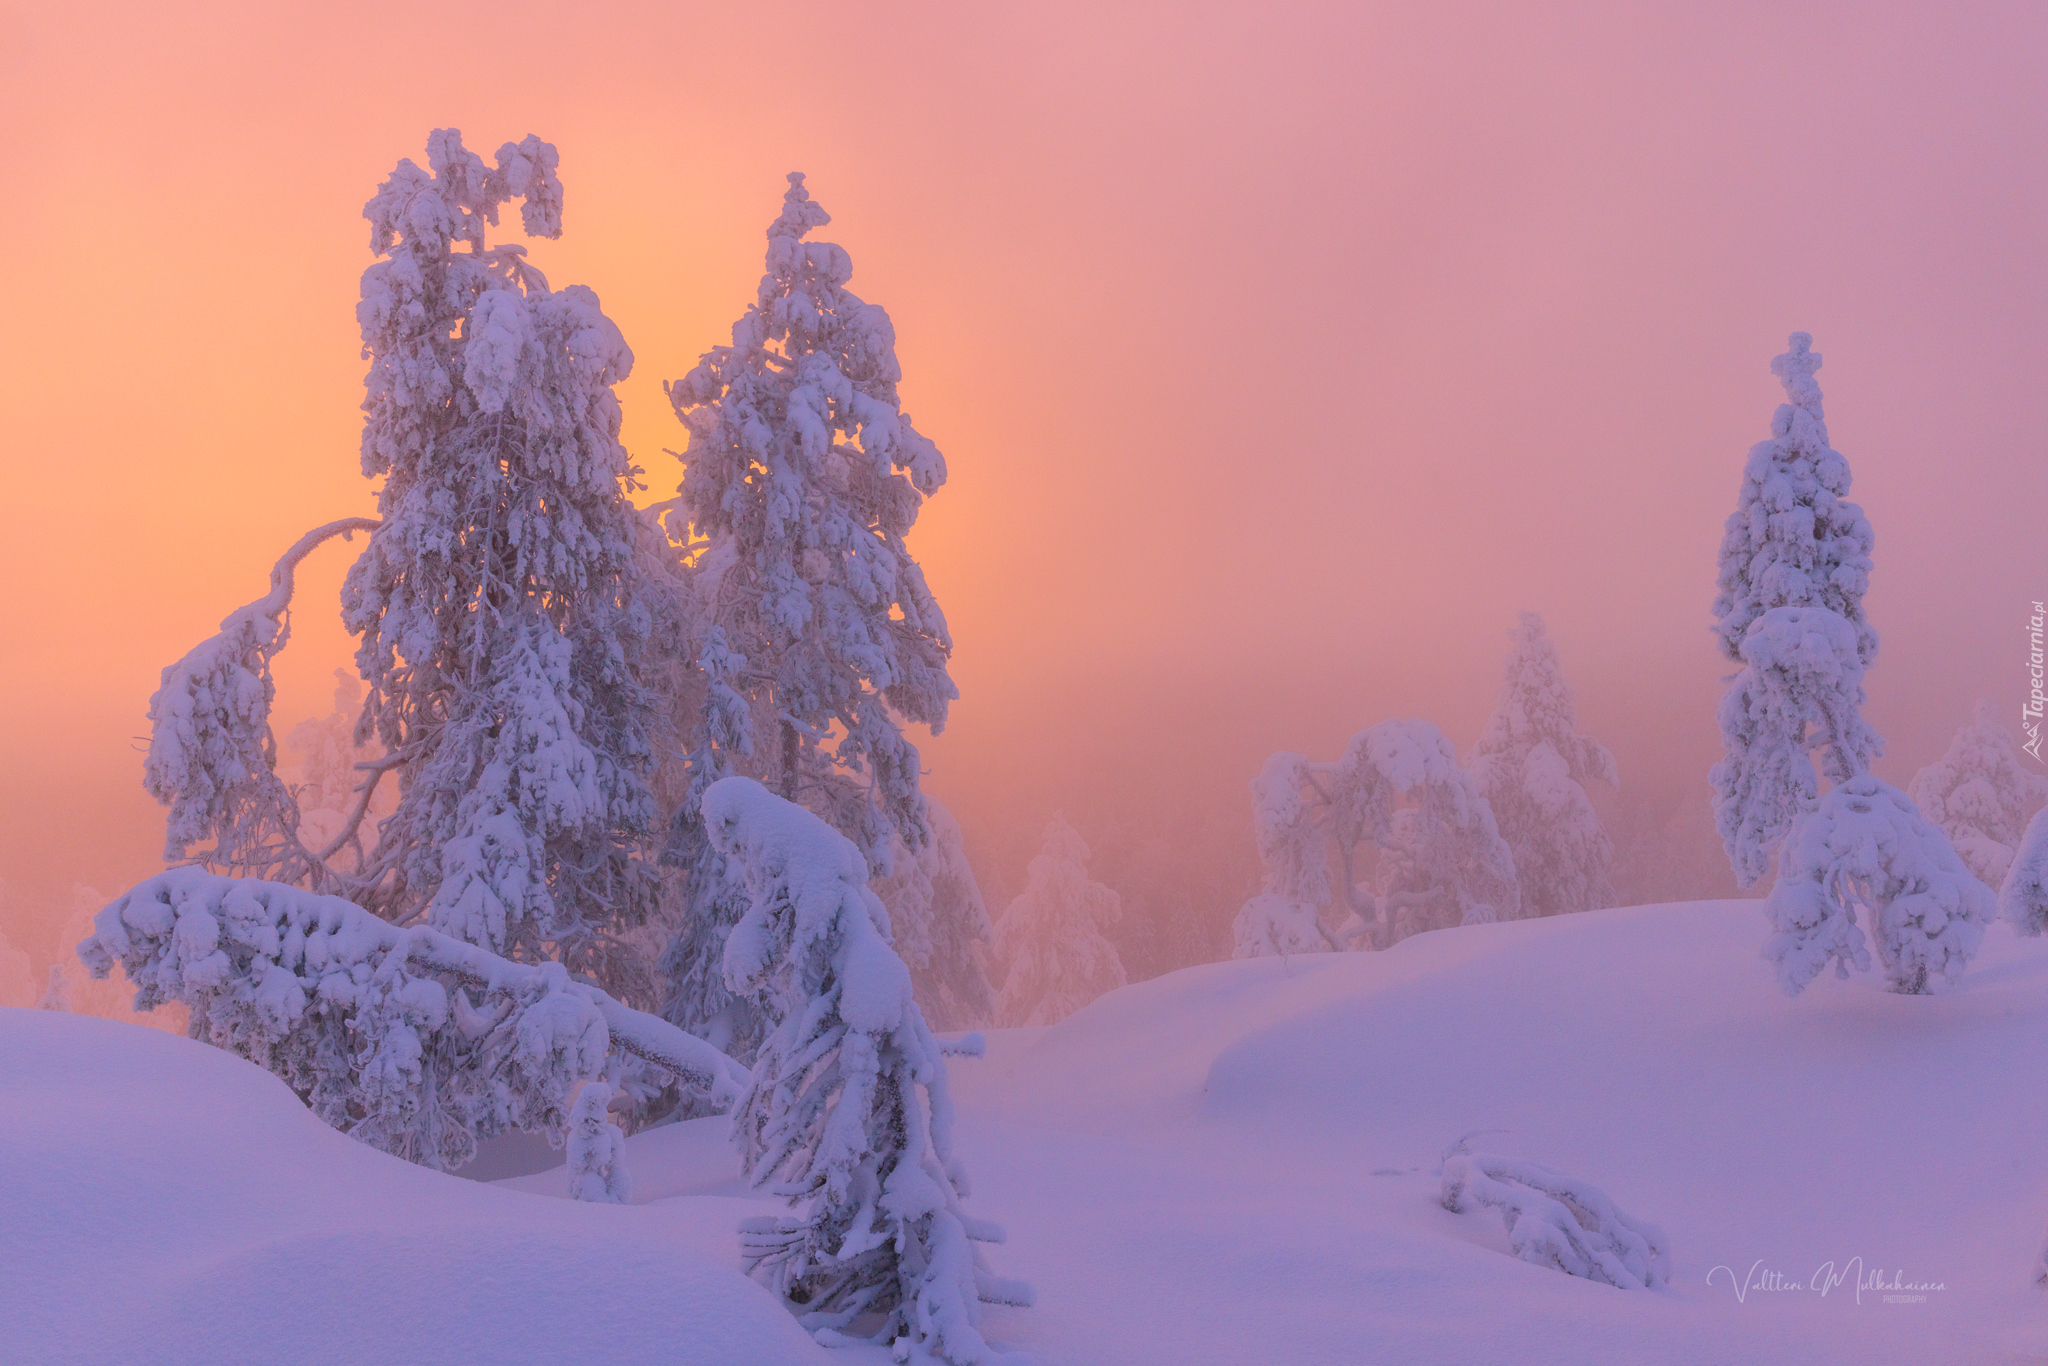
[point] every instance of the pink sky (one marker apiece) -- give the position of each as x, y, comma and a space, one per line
1280, 354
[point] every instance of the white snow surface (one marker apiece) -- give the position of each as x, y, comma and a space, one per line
1236, 1163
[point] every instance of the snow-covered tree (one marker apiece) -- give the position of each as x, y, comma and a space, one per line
1533, 767
939, 920
597, 1149
1274, 926
57, 992
497, 603
409, 1040
1437, 856
1056, 956
1795, 562
2023, 899
819, 637
1866, 846
848, 1114
1981, 794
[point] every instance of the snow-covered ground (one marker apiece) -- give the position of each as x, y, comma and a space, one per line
1233, 1164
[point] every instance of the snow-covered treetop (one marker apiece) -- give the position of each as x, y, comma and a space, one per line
1536, 708
1794, 540
1454, 842
1052, 939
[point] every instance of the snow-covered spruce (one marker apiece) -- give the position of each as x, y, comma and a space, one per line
1801, 689
1533, 767
498, 605
938, 917
1055, 955
1438, 858
848, 1114
1868, 846
820, 637
1981, 794
1794, 544
597, 1149
1554, 1220
2023, 899
412, 1041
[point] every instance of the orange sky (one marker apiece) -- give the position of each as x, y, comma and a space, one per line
1280, 353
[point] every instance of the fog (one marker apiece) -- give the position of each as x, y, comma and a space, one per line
1279, 354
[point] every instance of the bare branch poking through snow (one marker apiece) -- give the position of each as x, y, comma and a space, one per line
1556, 1221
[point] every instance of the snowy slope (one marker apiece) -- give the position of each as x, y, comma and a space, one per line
167, 1203
1232, 1164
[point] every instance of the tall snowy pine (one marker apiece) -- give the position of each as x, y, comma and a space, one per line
497, 604
1532, 766
818, 635
1795, 562
1794, 565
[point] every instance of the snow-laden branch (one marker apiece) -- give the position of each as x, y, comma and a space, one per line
375, 1026
1556, 1221
212, 755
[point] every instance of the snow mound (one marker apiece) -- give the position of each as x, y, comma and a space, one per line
167, 1203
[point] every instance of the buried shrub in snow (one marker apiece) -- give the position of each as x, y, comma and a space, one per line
1554, 1220
597, 1149
1868, 846
375, 1026
833, 1120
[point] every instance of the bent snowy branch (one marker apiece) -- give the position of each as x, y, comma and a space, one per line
212, 756
375, 1026
1556, 1221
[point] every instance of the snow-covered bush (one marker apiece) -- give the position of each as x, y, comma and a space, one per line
1439, 857
1532, 766
1801, 690
1271, 925
819, 637
499, 605
848, 1114
939, 919
1867, 846
412, 1041
2023, 899
1056, 956
1795, 563
1981, 794
1556, 1221
597, 1149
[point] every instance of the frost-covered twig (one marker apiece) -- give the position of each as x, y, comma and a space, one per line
1554, 1220
373, 1025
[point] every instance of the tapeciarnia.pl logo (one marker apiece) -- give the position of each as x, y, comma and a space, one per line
2030, 714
